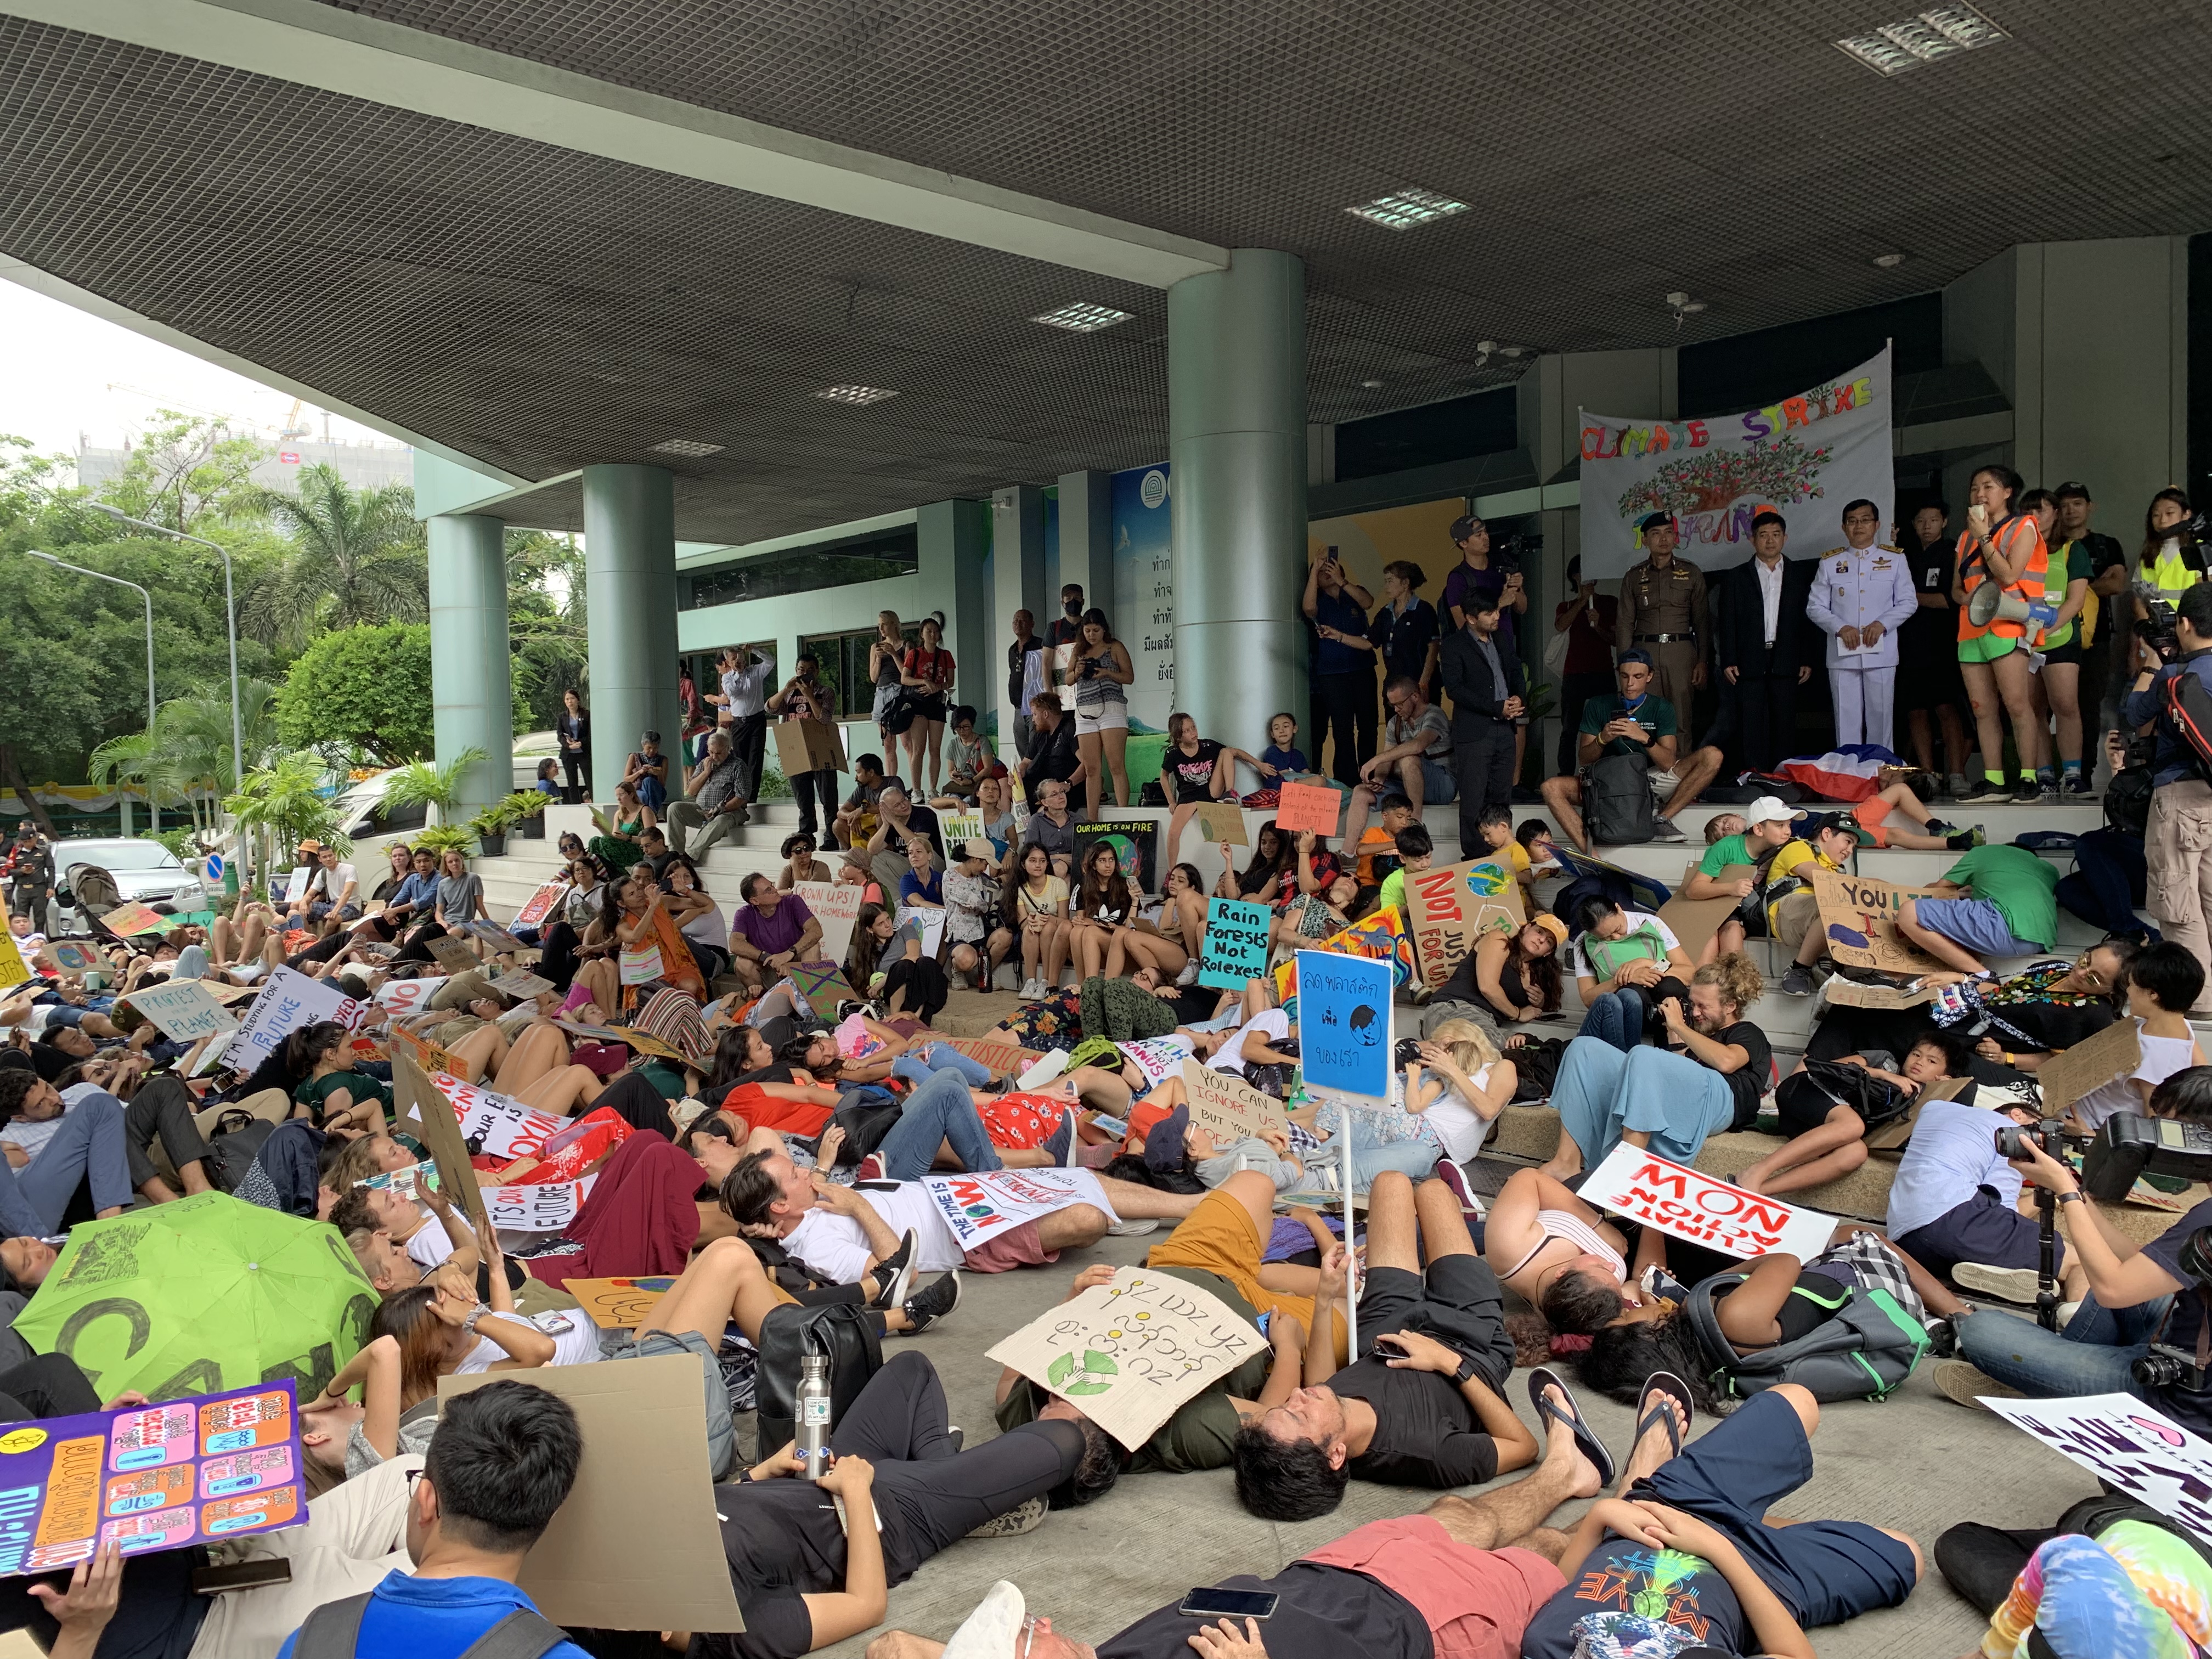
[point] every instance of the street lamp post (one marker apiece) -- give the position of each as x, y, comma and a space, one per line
230, 612
153, 804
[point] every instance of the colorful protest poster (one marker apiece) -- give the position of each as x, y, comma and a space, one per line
2134, 1448
1859, 917
184, 1009
619, 1304
822, 985
641, 966
1803, 456
1222, 823
1134, 841
426, 1054
71, 956
1344, 1022
13, 970
1158, 1058
196, 1470
1228, 1108
1131, 1350
930, 918
1380, 936
959, 829
288, 1000
542, 903
1235, 948
126, 921
1702, 1209
1310, 806
836, 905
545, 1207
1449, 909
410, 996
977, 1208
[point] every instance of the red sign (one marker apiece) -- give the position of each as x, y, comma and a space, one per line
289, 457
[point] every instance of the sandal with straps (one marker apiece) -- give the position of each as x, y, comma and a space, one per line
1665, 1385
1545, 1377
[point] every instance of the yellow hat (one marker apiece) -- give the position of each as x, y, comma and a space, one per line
1552, 925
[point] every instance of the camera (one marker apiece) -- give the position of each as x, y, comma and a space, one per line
1087, 667
2013, 1142
2128, 1144
2160, 626
2166, 1366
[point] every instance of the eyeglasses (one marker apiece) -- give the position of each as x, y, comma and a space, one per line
2089, 975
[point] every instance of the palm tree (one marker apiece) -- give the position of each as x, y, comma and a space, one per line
357, 556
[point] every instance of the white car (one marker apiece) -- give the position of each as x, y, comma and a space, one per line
143, 870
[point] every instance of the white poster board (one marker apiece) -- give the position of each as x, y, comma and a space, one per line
836, 905
290, 1000
184, 1009
2134, 1447
977, 1208
410, 996
931, 919
1702, 1209
545, 1207
1131, 1350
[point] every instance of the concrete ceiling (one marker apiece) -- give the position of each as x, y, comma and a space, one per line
553, 232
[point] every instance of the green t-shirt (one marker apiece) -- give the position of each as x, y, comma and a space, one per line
667, 1082
2020, 884
2078, 565
1728, 850
1654, 714
357, 1084
1203, 1430
1394, 890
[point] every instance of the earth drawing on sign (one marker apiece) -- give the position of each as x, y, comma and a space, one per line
1094, 1376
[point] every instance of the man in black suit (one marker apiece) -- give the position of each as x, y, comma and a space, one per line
1487, 685
1764, 644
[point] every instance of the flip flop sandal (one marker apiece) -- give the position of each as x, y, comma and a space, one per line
1545, 1377
1666, 1384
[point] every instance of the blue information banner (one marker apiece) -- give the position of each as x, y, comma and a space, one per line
1235, 948
1344, 1022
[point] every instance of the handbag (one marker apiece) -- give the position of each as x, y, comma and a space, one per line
1556, 649
844, 1331
1875, 1099
867, 1115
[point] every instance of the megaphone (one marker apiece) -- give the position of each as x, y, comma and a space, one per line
1991, 603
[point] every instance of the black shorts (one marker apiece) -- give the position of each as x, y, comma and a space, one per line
1928, 666
2070, 652
1457, 1301
1805, 1107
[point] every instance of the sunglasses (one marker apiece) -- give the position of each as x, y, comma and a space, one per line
2089, 975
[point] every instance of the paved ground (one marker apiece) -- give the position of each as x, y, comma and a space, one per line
1915, 1462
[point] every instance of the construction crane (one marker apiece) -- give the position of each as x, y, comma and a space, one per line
293, 426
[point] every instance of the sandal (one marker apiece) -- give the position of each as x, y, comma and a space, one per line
1665, 1384
1545, 1377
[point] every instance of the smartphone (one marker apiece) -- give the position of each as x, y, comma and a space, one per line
1391, 1347
254, 1573
1228, 1604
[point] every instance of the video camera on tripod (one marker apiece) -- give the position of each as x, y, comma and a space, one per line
2127, 1145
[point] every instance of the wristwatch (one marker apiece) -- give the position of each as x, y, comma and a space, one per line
2073, 1197
1466, 1370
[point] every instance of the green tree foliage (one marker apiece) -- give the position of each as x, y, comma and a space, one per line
362, 689
545, 623
191, 474
355, 557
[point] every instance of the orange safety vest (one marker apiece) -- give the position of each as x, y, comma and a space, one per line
2019, 539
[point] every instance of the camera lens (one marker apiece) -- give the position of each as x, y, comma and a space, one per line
2156, 1371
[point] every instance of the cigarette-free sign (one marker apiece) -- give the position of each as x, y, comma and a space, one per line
1702, 1209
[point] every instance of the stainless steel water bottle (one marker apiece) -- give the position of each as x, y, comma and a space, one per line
813, 1414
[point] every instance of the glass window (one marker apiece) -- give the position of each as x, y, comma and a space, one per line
844, 660
806, 570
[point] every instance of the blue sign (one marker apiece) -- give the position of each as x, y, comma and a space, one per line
1235, 948
214, 867
1344, 1022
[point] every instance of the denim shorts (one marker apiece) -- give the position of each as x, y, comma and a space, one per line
721, 1434
1976, 924
1439, 787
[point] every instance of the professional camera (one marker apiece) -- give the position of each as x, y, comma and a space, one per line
2014, 1141
2160, 626
2166, 1366
2127, 1145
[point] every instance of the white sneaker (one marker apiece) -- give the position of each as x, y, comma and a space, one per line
1189, 975
2016, 1285
1131, 1229
1032, 989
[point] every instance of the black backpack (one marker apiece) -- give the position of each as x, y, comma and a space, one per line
233, 1147
1865, 1348
1618, 810
842, 1331
1825, 1084
2188, 710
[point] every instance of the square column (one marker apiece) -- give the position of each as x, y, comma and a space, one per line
952, 539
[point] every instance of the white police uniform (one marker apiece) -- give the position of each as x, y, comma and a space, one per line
1852, 587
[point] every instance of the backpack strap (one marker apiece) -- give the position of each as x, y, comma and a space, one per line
523, 1634
333, 1630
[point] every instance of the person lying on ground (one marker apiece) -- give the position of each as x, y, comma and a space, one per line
2021, 1020
1995, 901
1164, 1149
82, 1166
1222, 1236
808, 1576
1564, 1256
1685, 1550
1827, 1144
2163, 984
1376, 1418
1464, 1577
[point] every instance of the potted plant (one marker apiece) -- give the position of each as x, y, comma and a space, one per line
438, 837
528, 810
491, 825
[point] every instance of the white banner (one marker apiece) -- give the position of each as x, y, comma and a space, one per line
1704, 1209
409, 996
979, 1208
289, 1001
1804, 457
544, 1208
836, 905
2137, 1448
503, 1126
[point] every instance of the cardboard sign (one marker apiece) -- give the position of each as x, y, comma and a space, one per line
637, 1545
1228, 1108
184, 1009
836, 905
1345, 1023
1858, 993
2114, 1053
542, 903
1310, 806
1002, 1058
1703, 1209
199, 1469
454, 956
1695, 921
979, 1208
803, 746
1858, 915
2135, 1448
1447, 911
930, 918
13, 970
822, 985
1222, 823
1158, 1058
519, 985
619, 1304
545, 1207
125, 921
72, 956
429, 1059
423, 1109
959, 829
1235, 948
638, 1040
1131, 1350
1135, 843
501, 942
410, 996
641, 966
288, 999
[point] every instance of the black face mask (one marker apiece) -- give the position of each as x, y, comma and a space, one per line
1073, 607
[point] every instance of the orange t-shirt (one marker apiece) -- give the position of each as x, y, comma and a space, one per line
766, 1111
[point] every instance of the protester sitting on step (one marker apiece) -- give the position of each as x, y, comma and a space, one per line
1637, 721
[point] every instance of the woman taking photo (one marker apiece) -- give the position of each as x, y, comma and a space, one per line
885, 652
1508, 978
635, 915
620, 848
926, 671
1100, 671
1036, 906
2001, 544
1100, 924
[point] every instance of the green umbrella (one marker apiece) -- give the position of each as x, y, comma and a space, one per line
203, 1294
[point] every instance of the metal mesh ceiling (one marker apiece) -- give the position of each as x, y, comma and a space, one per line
542, 309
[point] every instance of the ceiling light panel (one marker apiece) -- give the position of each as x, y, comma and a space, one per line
859, 396
1939, 31
691, 449
1081, 317
1402, 209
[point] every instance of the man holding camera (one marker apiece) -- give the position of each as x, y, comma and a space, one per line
2178, 841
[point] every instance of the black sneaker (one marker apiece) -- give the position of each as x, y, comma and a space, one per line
2077, 783
1989, 792
895, 1273
1666, 829
933, 1301
2026, 793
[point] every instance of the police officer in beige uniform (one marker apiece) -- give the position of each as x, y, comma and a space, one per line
1663, 611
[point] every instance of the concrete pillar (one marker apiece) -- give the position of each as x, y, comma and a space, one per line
471, 688
1236, 447
1086, 547
629, 586
1016, 584
952, 539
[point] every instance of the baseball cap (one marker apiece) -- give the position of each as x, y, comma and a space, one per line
1636, 653
1768, 809
992, 1631
1552, 925
2071, 487
977, 847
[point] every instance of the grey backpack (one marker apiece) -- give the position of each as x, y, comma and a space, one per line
1865, 1348
1618, 810
333, 1631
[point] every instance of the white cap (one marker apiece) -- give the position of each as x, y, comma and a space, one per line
1768, 809
993, 1630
